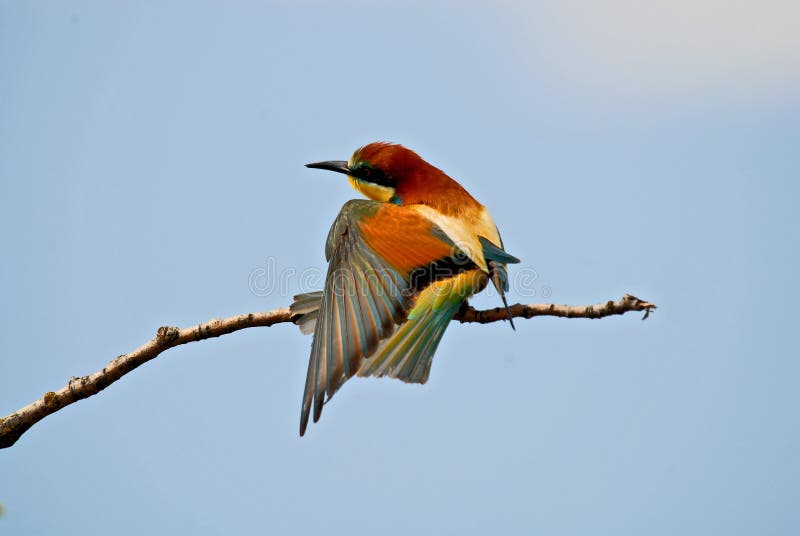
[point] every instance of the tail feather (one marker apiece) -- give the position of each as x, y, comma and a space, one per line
408, 353
305, 309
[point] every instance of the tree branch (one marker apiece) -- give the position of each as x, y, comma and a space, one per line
610, 308
13, 426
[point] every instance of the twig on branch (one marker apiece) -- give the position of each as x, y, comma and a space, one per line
626, 304
13, 426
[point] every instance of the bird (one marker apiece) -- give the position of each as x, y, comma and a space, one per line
401, 264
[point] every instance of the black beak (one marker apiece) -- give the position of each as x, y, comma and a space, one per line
339, 166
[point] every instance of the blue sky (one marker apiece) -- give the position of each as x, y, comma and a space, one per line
151, 161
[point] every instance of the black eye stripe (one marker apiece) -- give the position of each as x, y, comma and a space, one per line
373, 175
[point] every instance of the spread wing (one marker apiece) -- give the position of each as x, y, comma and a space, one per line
374, 250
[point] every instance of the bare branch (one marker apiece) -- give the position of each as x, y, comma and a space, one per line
13, 426
16, 424
610, 308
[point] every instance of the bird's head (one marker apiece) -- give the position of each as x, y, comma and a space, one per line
388, 172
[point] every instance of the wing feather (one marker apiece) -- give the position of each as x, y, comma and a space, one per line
372, 248
395, 279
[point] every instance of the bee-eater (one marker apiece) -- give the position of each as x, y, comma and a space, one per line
401, 265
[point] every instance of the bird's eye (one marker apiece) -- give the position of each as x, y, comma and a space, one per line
373, 175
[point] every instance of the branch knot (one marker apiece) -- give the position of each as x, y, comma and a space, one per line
50, 399
167, 334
